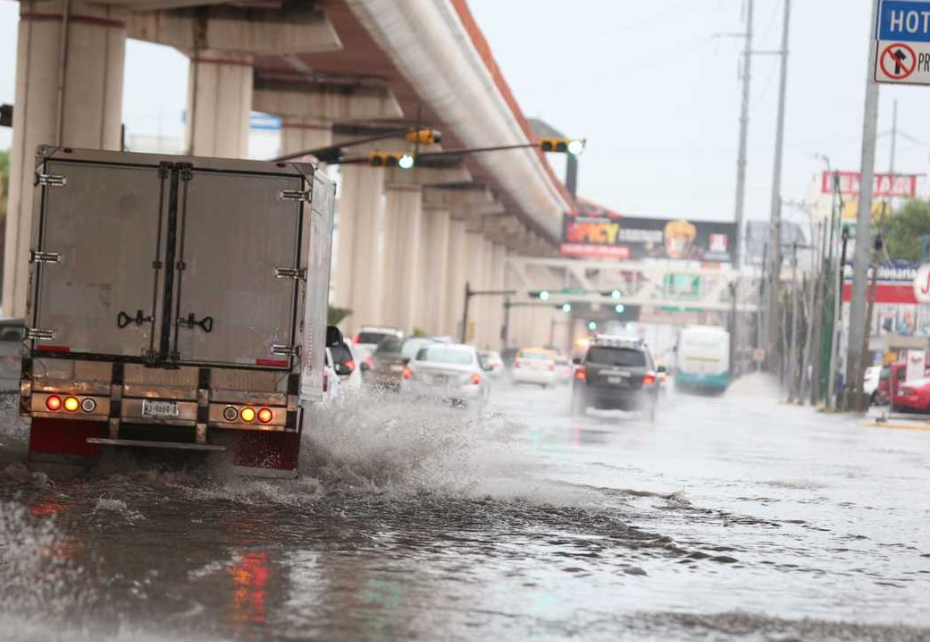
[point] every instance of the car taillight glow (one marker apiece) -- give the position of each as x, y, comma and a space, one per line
248, 415
350, 365
88, 405
475, 378
517, 363
649, 378
72, 404
53, 403
356, 339
325, 381
581, 374
552, 366
407, 374
265, 415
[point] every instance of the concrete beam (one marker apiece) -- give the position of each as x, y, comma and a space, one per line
273, 31
440, 196
327, 102
422, 176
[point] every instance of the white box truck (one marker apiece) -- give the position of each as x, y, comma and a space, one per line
177, 303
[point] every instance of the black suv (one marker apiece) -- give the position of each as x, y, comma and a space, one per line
616, 373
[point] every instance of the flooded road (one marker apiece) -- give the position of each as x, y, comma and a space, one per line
731, 518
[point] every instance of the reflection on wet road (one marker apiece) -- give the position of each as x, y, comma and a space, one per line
732, 518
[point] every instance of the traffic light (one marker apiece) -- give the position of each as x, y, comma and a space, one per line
424, 136
402, 160
613, 294
542, 295
573, 146
592, 325
619, 308
566, 307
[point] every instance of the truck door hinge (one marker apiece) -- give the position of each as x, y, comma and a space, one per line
51, 180
285, 351
36, 256
294, 195
290, 273
38, 334
186, 171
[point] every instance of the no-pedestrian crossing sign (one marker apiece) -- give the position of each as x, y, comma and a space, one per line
902, 32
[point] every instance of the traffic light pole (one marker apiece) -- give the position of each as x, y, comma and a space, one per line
332, 154
469, 293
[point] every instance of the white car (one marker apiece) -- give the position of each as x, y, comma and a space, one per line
492, 359
450, 372
368, 338
345, 366
535, 365
332, 387
563, 370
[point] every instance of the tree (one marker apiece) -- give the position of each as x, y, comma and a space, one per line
906, 232
334, 315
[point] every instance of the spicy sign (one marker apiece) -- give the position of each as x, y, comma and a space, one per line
885, 185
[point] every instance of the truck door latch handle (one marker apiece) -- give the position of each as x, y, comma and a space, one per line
206, 323
123, 319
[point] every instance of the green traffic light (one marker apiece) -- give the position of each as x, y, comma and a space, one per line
576, 147
544, 295
566, 307
592, 325
615, 294
406, 161
619, 308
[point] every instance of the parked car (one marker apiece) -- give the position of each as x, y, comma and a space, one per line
451, 372
616, 373
534, 365
492, 359
890, 377
345, 366
368, 338
12, 332
913, 396
389, 360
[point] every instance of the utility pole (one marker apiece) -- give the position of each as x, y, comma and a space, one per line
861, 257
775, 214
743, 136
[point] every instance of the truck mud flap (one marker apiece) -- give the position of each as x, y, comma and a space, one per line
266, 454
64, 442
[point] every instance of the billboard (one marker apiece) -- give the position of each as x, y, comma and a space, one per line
884, 185
897, 311
607, 235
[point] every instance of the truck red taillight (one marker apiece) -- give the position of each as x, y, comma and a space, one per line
53, 403
265, 415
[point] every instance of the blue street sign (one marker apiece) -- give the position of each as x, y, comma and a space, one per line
904, 21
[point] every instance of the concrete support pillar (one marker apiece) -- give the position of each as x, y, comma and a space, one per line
71, 96
497, 283
474, 251
456, 276
488, 303
219, 104
299, 134
404, 255
359, 269
436, 241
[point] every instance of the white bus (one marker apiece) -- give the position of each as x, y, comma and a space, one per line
702, 359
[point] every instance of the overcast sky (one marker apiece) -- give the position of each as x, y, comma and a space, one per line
651, 86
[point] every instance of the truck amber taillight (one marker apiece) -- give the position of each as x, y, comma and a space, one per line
265, 415
72, 404
248, 415
53, 403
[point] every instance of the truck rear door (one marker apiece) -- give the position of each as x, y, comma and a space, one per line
238, 264
96, 280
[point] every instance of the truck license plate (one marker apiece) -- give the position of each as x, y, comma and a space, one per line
160, 409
